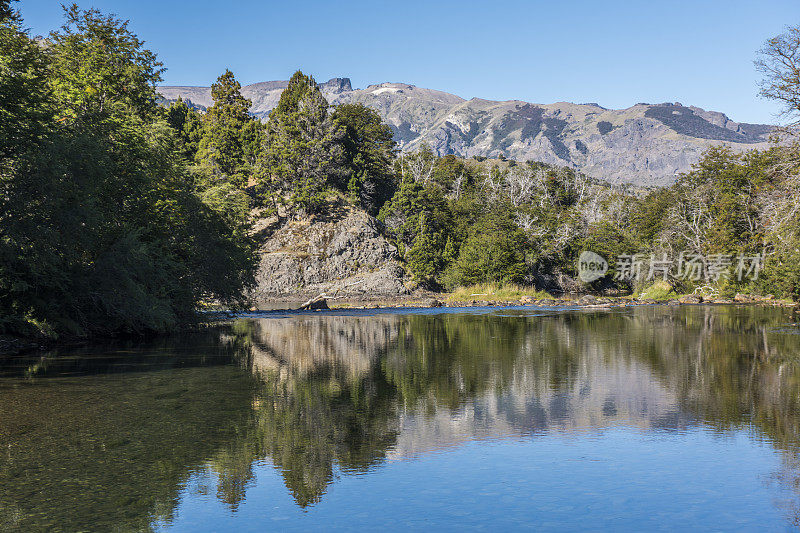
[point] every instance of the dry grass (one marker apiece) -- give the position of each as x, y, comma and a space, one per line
494, 292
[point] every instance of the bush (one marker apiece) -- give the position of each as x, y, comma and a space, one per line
494, 251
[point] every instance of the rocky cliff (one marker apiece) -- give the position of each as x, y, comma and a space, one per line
342, 253
646, 144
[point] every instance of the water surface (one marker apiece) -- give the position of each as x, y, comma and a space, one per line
646, 418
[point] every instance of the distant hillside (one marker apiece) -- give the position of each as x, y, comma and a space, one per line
647, 144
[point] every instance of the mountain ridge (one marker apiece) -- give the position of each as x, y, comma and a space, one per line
645, 144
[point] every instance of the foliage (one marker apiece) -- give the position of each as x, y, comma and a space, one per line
302, 154
494, 252
101, 229
229, 132
368, 147
779, 62
188, 125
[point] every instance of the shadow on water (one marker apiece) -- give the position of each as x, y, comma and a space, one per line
108, 437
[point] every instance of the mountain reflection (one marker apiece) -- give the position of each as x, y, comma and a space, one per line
325, 394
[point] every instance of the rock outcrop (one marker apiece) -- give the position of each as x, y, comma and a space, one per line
342, 253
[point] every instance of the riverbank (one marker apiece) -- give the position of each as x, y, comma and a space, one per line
10, 345
587, 301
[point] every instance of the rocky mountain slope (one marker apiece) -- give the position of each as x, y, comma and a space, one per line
646, 144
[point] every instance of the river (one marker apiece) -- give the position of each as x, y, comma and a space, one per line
646, 418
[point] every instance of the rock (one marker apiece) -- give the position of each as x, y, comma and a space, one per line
316, 303
526, 300
674, 302
586, 300
433, 302
343, 253
742, 298
690, 299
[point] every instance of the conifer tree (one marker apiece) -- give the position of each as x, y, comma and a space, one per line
369, 149
222, 145
302, 154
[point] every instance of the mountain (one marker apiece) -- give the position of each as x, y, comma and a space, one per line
646, 144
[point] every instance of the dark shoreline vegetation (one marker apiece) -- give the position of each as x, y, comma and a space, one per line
124, 214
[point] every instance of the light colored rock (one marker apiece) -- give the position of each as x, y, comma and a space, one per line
343, 254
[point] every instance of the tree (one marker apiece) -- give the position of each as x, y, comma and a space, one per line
188, 126
779, 62
368, 147
225, 130
424, 259
301, 155
103, 70
494, 252
6, 10
101, 229
25, 106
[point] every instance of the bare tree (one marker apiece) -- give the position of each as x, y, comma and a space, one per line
419, 165
779, 62
520, 184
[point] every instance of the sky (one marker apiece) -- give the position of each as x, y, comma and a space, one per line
615, 53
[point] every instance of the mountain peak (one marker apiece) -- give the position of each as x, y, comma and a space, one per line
646, 144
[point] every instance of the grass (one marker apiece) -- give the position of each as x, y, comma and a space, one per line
494, 292
660, 290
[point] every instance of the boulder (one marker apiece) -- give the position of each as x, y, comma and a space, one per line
690, 299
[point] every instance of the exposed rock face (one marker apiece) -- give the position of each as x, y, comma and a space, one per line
343, 253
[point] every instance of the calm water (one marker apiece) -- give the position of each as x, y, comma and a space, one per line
649, 418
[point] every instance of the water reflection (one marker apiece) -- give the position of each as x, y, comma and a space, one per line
317, 395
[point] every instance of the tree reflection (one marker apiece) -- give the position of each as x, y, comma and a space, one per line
321, 395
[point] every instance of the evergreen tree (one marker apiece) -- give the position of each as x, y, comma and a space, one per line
222, 146
368, 146
494, 251
100, 227
6, 11
424, 259
302, 155
188, 125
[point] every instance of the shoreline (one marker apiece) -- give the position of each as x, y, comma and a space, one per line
11, 346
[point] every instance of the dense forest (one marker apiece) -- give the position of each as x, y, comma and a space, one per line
118, 213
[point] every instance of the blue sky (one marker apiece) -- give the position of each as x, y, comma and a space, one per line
613, 53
